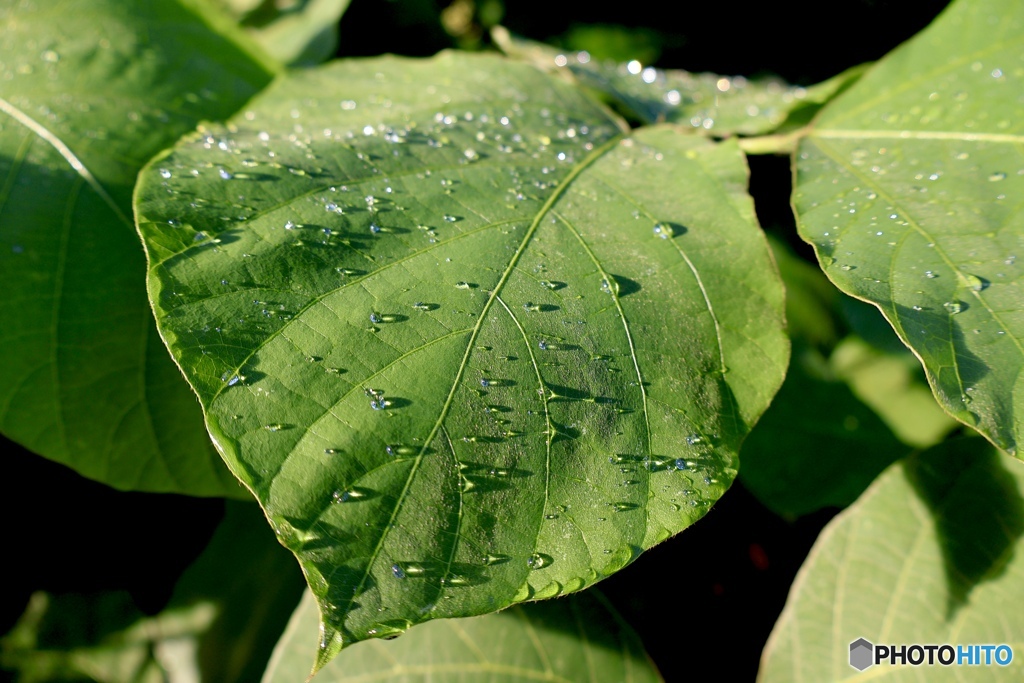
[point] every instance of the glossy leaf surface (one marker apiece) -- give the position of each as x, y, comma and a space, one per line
91, 90
910, 186
932, 553
579, 638
466, 341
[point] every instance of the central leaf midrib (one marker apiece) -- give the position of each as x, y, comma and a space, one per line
555, 196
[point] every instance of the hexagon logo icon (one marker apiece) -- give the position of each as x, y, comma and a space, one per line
861, 654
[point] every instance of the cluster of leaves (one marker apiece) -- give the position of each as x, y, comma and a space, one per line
477, 330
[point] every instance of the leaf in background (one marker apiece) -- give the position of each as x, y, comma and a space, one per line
103, 637
212, 630
811, 300
909, 186
817, 445
464, 339
931, 553
295, 32
889, 384
822, 442
707, 103
92, 89
252, 583
579, 638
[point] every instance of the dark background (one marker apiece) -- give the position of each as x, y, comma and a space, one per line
711, 593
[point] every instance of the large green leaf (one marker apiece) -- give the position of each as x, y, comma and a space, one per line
909, 187
932, 553
90, 91
211, 627
704, 102
467, 341
575, 639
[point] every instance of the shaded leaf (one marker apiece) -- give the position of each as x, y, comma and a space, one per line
811, 300
578, 638
889, 384
930, 554
102, 637
909, 187
295, 32
467, 341
91, 91
212, 629
818, 445
707, 103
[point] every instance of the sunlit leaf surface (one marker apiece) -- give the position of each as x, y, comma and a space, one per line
910, 188
467, 341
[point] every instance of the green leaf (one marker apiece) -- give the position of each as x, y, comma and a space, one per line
707, 103
251, 606
889, 384
92, 89
930, 554
295, 32
811, 300
909, 186
100, 637
575, 639
818, 445
212, 625
464, 338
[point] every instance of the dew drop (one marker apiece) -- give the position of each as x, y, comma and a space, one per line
996, 177
539, 561
348, 496
953, 307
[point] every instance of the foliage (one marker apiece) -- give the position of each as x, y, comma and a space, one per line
478, 330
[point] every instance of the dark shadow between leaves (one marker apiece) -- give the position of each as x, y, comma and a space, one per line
978, 511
